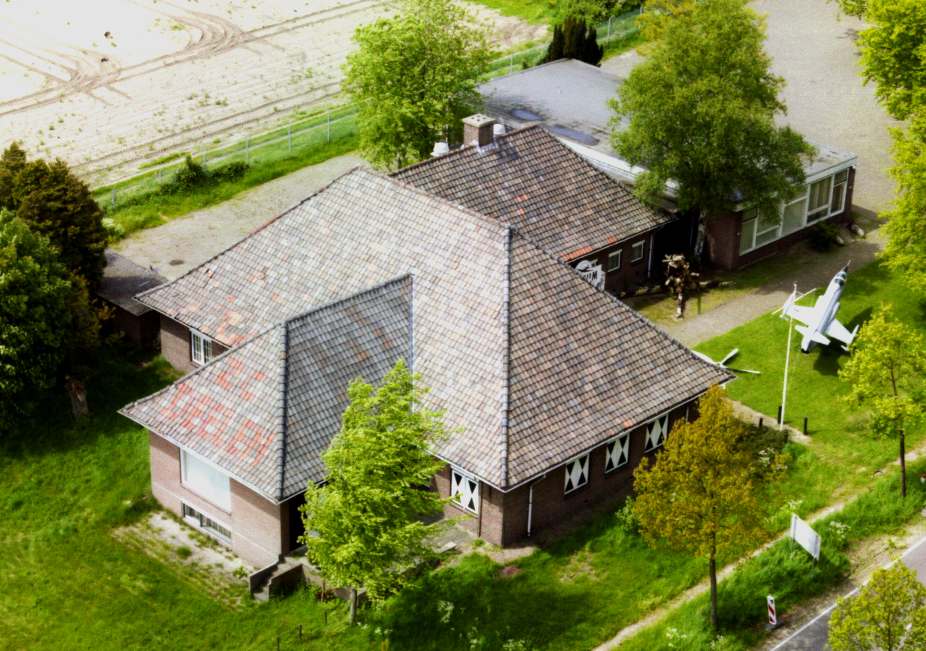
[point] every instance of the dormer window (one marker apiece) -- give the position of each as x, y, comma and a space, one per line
200, 347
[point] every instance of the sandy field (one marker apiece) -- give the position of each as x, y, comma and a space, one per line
107, 85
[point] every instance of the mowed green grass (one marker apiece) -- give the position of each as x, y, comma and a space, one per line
842, 454
67, 583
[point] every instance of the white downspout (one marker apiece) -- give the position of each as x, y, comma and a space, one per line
530, 503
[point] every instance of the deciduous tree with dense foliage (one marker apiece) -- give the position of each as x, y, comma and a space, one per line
701, 495
364, 523
886, 373
889, 614
413, 79
35, 299
700, 111
905, 250
53, 202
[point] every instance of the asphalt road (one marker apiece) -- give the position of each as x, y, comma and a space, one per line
813, 636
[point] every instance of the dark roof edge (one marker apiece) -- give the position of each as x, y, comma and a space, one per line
254, 232
349, 297
284, 381
506, 355
199, 370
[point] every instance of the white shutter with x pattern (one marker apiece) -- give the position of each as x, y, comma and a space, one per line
576, 473
656, 432
466, 490
617, 452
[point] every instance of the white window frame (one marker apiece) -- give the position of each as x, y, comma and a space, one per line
576, 471
616, 449
836, 190
656, 432
462, 489
634, 258
200, 348
616, 267
206, 486
206, 523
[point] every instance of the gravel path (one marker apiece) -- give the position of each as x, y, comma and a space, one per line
180, 245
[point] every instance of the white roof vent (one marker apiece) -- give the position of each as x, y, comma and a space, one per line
440, 148
498, 130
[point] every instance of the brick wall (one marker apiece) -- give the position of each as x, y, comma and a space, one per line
552, 506
629, 275
175, 345
257, 525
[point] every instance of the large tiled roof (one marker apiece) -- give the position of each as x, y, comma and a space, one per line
548, 192
267, 409
123, 279
528, 361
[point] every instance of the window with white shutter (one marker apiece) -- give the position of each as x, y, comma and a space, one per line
656, 433
465, 488
617, 452
576, 473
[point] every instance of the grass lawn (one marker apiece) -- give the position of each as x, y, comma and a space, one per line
842, 456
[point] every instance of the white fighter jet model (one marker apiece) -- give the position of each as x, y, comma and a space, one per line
819, 321
723, 363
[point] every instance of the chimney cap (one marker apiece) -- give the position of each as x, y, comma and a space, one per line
478, 120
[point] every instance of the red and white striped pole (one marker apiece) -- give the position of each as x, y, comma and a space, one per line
772, 616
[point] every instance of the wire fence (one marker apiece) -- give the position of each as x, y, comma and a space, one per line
313, 133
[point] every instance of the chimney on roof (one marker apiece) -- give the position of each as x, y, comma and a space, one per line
477, 130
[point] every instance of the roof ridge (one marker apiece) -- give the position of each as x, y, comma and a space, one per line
283, 408
461, 150
344, 299
202, 368
254, 232
506, 356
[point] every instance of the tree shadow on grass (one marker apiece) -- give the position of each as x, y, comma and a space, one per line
122, 376
468, 607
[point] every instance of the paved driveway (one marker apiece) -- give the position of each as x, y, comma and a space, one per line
814, 51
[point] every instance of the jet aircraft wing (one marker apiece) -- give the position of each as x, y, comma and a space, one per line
802, 314
838, 331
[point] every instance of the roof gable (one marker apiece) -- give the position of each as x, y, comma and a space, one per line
267, 409
535, 183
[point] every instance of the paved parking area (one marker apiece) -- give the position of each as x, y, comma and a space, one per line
814, 50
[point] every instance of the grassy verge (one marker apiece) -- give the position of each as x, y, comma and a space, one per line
66, 582
741, 598
145, 207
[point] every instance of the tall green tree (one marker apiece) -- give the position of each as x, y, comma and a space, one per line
893, 50
702, 494
889, 614
36, 295
886, 373
413, 79
364, 523
905, 250
56, 204
571, 40
700, 111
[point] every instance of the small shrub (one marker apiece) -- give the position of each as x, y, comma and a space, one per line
230, 172
114, 230
823, 237
184, 552
240, 572
627, 520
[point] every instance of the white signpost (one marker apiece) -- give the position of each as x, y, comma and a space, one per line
806, 538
